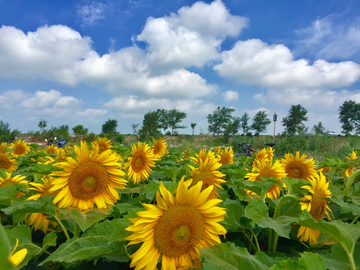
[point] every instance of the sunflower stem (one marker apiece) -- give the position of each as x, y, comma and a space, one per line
354, 221
61, 225
76, 230
256, 240
251, 243
350, 181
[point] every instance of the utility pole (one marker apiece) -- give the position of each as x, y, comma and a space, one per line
274, 119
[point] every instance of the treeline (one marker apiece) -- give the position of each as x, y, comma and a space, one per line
220, 122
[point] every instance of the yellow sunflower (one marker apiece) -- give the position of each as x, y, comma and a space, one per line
8, 163
264, 154
19, 256
350, 170
140, 163
103, 144
266, 168
226, 156
208, 174
3, 147
217, 150
203, 154
9, 181
51, 149
298, 167
176, 227
88, 179
21, 148
315, 204
159, 148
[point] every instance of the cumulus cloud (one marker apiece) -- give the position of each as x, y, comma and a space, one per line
315, 98
92, 112
91, 13
192, 37
255, 62
230, 95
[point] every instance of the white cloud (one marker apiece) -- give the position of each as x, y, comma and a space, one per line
92, 112
91, 13
230, 95
255, 62
192, 37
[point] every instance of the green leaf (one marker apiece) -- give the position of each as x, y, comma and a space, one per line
119, 232
49, 240
260, 188
343, 233
281, 225
228, 256
256, 210
23, 233
294, 185
7, 194
307, 261
150, 190
347, 207
337, 259
5, 250
42, 205
172, 172
233, 214
86, 220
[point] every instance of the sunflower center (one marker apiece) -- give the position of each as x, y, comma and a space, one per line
205, 176
178, 231
318, 207
266, 173
157, 149
19, 150
138, 163
7, 184
88, 180
102, 148
4, 163
296, 171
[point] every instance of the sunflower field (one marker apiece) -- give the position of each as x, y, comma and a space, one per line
100, 205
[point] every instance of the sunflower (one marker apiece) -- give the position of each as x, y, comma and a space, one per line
88, 179
159, 148
315, 204
226, 156
203, 154
298, 167
217, 150
9, 181
208, 174
51, 150
265, 168
7, 163
103, 144
140, 163
21, 148
176, 227
3, 147
18, 257
350, 170
264, 154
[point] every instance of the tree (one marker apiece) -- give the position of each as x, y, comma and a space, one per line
109, 126
244, 123
6, 135
220, 118
293, 122
260, 121
193, 125
174, 118
42, 125
163, 119
349, 116
319, 129
150, 125
79, 130
232, 128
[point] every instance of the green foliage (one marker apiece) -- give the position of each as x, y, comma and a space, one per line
193, 125
349, 117
151, 126
6, 135
80, 130
260, 121
219, 120
319, 129
244, 123
294, 121
109, 126
42, 125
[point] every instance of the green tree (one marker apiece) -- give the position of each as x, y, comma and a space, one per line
349, 116
260, 121
135, 127
219, 119
150, 125
319, 129
232, 128
109, 126
42, 125
293, 122
193, 125
174, 118
163, 119
79, 130
6, 135
244, 123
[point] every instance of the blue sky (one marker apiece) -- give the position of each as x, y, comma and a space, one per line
84, 62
